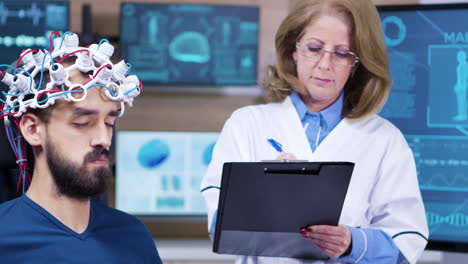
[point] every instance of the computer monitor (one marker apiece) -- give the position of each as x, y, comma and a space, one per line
27, 24
159, 173
428, 47
23, 24
190, 45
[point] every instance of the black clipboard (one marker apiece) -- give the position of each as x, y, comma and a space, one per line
263, 205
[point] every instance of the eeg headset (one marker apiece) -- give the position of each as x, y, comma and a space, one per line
25, 94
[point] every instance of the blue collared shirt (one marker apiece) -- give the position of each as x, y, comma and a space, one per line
318, 125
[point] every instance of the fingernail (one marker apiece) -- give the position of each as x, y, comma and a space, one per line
310, 229
303, 232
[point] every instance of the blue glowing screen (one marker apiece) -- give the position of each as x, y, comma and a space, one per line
27, 24
428, 49
159, 173
188, 44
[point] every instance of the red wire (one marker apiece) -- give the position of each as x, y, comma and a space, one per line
51, 47
88, 81
16, 122
23, 165
141, 86
23, 146
20, 179
48, 91
22, 56
2, 74
100, 69
66, 56
8, 114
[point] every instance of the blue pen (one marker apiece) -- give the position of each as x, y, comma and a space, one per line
275, 144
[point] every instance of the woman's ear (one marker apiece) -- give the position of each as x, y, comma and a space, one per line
294, 56
31, 129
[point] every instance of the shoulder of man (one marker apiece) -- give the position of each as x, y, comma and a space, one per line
13, 215
8, 207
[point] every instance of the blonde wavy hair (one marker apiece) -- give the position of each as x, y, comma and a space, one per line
367, 89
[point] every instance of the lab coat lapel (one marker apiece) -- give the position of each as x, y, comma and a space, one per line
340, 139
291, 127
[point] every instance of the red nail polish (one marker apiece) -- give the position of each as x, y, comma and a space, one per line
310, 229
303, 232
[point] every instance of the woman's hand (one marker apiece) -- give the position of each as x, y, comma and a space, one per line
332, 240
286, 156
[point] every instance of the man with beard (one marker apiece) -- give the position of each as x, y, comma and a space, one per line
55, 221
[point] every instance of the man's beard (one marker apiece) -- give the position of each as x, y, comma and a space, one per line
77, 181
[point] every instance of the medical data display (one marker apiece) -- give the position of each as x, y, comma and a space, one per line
428, 47
187, 44
159, 173
27, 24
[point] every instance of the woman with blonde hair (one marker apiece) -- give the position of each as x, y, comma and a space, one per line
329, 81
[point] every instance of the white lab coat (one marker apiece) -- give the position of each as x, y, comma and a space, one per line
383, 192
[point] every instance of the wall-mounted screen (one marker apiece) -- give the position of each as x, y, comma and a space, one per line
23, 24
159, 173
27, 24
190, 44
428, 48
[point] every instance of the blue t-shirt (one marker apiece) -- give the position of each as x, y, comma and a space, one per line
30, 234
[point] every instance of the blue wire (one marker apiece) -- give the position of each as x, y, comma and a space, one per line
51, 58
8, 109
102, 40
42, 68
13, 134
65, 93
4, 102
131, 90
30, 77
129, 68
63, 89
18, 145
8, 66
51, 48
23, 175
107, 88
57, 94
15, 95
63, 38
11, 108
19, 153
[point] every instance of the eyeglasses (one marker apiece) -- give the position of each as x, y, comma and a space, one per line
339, 57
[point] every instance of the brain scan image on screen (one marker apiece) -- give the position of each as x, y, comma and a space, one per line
191, 44
153, 153
159, 173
